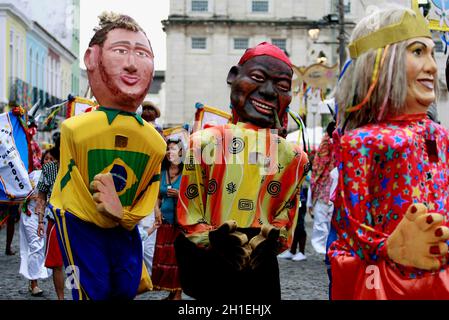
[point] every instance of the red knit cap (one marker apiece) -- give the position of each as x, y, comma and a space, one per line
265, 49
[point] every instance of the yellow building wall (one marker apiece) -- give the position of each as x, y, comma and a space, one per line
66, 69
18, 29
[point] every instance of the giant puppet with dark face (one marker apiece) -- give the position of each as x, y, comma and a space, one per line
261, 87
110, 164
236, 214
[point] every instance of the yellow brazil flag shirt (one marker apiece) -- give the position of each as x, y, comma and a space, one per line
102, 141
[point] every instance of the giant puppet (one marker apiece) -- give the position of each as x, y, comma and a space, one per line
391, 202
239, 192
109, 168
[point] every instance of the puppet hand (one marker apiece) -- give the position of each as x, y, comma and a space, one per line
105, 196
419, 239
264, 246
230, 244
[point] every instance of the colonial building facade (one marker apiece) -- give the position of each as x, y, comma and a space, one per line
206, 37
36, 63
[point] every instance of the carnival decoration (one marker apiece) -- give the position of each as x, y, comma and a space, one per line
302, 134
73, 106
436, 12
79, 105
208, 116
316, 75
312, 82
54, 110
32, 117
15, 153
178, 133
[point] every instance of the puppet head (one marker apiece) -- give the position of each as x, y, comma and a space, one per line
119, 63
392, 72
261, 87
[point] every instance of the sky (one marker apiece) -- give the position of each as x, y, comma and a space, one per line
147, 13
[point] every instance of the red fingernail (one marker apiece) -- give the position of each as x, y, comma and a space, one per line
429, 219
434, 250
414, 209
439, 232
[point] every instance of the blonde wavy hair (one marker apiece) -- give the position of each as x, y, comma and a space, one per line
354, 85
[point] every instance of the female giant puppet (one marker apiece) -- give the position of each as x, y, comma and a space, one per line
391, 206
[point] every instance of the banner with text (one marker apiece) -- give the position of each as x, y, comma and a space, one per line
15, 184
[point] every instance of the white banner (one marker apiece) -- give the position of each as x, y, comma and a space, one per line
13, 175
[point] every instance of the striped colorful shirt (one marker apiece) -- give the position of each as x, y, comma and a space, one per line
112, 141
240, 172
383, 169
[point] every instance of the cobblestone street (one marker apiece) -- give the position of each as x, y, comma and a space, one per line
302, 280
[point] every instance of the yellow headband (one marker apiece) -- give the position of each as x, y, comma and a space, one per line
409, 27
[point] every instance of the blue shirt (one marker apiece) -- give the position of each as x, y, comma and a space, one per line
168, 206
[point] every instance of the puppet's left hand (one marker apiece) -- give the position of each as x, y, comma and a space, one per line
105, 196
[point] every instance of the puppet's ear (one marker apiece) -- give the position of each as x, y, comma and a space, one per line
233, 74
91, 57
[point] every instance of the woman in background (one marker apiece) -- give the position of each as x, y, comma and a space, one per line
165, 274
32, 247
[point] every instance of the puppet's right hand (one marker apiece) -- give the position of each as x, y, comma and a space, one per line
230, 244
264, 246
105, 197
419, 239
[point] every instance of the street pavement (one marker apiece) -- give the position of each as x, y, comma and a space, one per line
300, 280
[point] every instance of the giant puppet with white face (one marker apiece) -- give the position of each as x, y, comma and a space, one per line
110, 165
391, 202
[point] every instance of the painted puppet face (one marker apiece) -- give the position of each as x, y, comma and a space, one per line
120, 72
421, 72
259, 88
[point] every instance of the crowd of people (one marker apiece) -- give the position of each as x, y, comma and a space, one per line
134, 210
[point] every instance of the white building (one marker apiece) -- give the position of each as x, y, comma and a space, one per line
206, 37
60, 19
34, 65
54, 16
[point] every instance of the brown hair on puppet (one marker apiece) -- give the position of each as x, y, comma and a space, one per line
110, 21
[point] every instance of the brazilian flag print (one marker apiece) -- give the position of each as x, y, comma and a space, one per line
126, 167
90, 146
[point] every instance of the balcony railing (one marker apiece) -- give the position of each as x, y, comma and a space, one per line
24, 94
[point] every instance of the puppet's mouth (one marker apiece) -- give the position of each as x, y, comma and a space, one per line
129, 79
263, 107
427, 83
